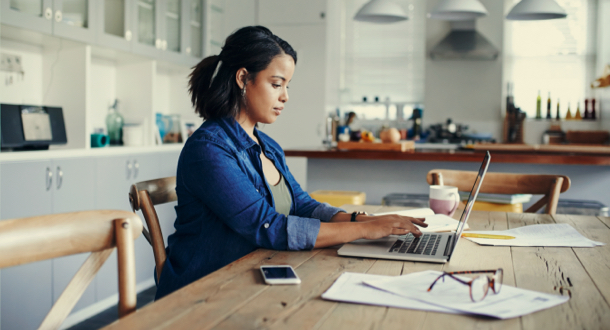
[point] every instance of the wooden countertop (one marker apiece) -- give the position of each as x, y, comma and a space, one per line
500, 155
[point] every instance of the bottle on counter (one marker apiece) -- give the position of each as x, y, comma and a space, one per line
577, 116
587, 115
548, 107
593, 115
114, 124
538, 110
569, 113
558, 113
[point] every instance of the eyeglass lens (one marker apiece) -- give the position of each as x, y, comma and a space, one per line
479, 287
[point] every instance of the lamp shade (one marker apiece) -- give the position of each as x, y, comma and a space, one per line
458, 10
531, 10
381, 11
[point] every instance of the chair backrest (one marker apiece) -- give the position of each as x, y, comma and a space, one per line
38, 238
508, 183
144, 196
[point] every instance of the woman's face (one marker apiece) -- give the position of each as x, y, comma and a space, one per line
267, 93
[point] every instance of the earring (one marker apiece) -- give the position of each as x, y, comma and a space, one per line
243, 91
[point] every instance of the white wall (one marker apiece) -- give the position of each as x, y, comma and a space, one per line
469, 92
27, 88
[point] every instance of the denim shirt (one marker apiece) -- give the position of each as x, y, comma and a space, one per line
225, 207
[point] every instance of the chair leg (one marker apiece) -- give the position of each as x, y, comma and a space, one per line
127, 270
551, 207
437, 179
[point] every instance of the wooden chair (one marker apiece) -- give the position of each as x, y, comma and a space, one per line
39, 238
507, 183
144, 196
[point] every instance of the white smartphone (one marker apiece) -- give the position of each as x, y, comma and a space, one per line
279, 274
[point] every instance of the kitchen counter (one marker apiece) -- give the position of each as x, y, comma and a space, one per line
569, 156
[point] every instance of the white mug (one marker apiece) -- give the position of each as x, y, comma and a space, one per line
444, 199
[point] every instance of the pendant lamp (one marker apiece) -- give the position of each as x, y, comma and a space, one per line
381, 11
458, 10
531, 10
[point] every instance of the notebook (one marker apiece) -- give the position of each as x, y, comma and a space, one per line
430, 247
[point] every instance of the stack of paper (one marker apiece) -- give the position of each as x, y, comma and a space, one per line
436, 222
449, 296
558, 235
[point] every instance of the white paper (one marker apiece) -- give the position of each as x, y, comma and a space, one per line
508, 303
558, 235
436, 222
349, 287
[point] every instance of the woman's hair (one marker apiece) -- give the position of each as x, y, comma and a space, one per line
214, 90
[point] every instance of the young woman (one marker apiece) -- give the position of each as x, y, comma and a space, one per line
235, 192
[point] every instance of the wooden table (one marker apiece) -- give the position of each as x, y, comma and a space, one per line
235, 297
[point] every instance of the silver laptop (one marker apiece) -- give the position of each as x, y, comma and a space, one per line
430, 247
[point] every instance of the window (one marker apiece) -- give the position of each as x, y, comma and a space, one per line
391, 66
553, 56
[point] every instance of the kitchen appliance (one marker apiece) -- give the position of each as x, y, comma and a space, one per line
450, 132
30, 127
464, 43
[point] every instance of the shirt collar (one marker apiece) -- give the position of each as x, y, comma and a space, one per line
240, 138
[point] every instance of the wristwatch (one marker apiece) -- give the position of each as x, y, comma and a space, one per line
357, 213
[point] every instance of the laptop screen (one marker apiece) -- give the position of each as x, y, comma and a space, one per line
471, 198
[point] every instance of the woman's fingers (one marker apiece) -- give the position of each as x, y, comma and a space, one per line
418, 221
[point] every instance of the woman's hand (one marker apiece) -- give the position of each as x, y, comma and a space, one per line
374, 227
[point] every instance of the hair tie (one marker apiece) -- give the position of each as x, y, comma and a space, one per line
218, 64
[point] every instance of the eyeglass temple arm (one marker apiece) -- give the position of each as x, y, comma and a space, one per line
475, 271
449, 274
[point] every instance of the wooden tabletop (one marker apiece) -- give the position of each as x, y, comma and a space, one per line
500, 155
235, 297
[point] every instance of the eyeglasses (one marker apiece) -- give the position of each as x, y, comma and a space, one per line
479, 285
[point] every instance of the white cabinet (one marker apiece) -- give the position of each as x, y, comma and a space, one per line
72, 19
115, 24
31, 188
291, 12
115, 175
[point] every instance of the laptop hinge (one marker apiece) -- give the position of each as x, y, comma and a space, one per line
449, 245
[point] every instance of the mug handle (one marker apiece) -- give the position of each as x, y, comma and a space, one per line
457, 202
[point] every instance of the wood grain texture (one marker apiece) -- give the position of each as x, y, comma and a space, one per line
126, 258
236, 298
455, 156
557, 271
75, 289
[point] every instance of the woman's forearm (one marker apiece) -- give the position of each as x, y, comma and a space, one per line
338, 233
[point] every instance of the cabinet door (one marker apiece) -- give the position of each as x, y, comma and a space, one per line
114, 178
34, 15
174, 30
74, 19
195, 29
146, 18
273, 12
114, 18
27, 289
73, 190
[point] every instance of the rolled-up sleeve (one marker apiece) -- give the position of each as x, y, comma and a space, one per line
302, 232
325, 212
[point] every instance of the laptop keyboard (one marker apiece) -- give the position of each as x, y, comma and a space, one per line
427, 244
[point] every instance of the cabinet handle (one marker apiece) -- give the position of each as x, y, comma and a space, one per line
48, 13
164, 44
188, 50
60, 177
128, 170
158, 43
58, 16
136, 168
49, 179
128, 35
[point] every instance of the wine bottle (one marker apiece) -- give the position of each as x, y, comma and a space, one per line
558, 114
548, 107
538, 110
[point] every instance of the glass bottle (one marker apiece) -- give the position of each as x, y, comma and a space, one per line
592, 114
558, 114
538, 110
587, 114
548, 107
569, 113
577, 116
114, 124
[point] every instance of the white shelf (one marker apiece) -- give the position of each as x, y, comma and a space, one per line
14, 156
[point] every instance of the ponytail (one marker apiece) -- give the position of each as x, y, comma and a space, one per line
214, 91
